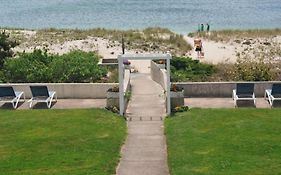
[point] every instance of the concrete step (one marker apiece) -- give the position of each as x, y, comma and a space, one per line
144, 118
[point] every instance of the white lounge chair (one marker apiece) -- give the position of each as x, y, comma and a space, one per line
244, 91
42, 94
273, 94
8, 95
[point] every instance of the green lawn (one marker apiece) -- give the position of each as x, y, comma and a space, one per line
58, 142
225, 142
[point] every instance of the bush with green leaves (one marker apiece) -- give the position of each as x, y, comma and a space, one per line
260, 64
5, 47
2, 77
38, 66
28, 67
186, 69
257, 70
77, 66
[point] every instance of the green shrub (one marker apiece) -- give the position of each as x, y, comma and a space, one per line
28, 67
5, 47
249, 70
257, 65
38, 66
76, 66
2, 77
186, 69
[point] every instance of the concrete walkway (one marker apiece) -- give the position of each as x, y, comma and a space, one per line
226, 103
101, 103
145, 152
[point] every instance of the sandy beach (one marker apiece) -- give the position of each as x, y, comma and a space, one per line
214, 51
226, 52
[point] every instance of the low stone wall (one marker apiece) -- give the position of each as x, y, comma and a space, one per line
219, 89
69, 90
73, 90
158, 75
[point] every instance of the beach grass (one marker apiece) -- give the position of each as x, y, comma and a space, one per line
84, 141
224, 141
229, 35
149, 39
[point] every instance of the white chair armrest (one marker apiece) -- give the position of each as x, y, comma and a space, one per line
233, 93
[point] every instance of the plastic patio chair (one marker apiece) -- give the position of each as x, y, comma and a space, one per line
42, 94
8, 95
273, 94
244, 91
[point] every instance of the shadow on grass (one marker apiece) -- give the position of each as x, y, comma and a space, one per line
10, 106
246, 104
42, 105
277, 104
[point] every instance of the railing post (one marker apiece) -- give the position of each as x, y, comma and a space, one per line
169, 57
121, 84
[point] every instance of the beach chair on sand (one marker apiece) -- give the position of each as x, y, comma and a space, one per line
273, 94
41, 94
244, 91
8, 95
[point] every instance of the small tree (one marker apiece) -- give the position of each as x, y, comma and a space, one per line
5, 47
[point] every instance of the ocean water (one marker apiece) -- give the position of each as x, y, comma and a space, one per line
181, 16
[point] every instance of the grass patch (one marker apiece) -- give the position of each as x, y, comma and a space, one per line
229, 35
225, 141
60, 142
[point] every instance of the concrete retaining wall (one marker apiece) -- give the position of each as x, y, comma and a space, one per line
74, 90
69, 90
219, 89
158, 75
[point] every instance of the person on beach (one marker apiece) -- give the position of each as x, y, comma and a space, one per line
198, 47
202, 27
208, 28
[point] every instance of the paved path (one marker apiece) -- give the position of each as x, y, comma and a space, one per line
226, 103
145, 152
61, 104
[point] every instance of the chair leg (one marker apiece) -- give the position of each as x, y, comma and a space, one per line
49, 104
270, 101
17, 102
14, 105
51, 99
30, 104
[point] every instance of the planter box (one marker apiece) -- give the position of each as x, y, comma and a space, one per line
112, 99
177, 98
